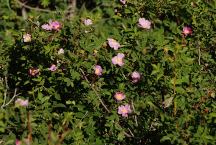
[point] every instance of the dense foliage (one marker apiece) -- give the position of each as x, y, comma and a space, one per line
114, 72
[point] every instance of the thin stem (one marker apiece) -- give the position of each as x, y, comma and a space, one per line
199, 56
135, 117
32, 8
174, 84
126, 134
12, 97
5, 92
5, 95
101, 101
29, 128
131, 132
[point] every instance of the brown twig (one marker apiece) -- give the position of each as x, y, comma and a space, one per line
135, 117
29, 128
32, 8
174, 84
132, 135
6, 93
101, 101
199, 56
71, 8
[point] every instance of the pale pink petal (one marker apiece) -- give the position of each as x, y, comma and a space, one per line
53, 67
98, 70
46, 27
113, 43
88, 22
143, 23
119, 96
187, 30
123, 2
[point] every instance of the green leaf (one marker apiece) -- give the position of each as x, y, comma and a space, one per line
45, 3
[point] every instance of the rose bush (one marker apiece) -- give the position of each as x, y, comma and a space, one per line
126, 72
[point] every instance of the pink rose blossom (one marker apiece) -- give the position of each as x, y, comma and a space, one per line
46, 27
143, 23
21, 102
34, 71
113, 43
87, 22
187, 30
27, 38
119, 96
135, 76
124, 110
98, 70
18, 142
52, 25
123, 2
53, 67
118, 59
55, 25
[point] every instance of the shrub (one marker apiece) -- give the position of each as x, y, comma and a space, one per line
134, 73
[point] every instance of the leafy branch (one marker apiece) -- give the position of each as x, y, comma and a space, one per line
101, 101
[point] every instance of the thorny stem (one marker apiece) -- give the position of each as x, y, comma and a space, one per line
174, 85
131, 132
199, 56
71, 8
101, 101
5, 95
32, 8
125, 133
135, 117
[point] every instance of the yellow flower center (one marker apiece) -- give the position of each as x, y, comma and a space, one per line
124, 110
119, 97
119, 60
97, 71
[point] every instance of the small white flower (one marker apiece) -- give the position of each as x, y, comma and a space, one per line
88, 22
27, 37
61, 51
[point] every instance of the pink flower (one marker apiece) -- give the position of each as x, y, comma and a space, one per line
135, 76
87, 22
98, 70
18, 142
27, 38
124, 110
113, 43
53, 67
123, 2
143, 23
34, 71
118, 59
119, 96
187, 30
46, 27
21, 102
55, 25
61, 51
